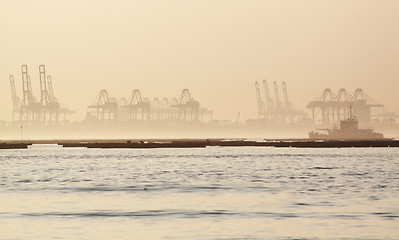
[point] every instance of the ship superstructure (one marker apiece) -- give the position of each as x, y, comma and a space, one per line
348, 130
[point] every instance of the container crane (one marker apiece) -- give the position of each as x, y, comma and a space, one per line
104, 106
335, 107
137, 105
188, 107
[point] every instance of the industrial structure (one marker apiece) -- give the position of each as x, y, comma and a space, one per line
161, 109
187, 106
105, 107
138, 108
273, 104
31, 111
329, 108
274, 110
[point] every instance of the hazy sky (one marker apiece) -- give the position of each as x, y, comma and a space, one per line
217, 49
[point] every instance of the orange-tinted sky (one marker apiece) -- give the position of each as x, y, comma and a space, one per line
217, 49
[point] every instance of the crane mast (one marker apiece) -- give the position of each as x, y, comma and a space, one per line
26, 87
276, 96
44, 96
269, 100
261, 108
28, 108
286, 101
288, 106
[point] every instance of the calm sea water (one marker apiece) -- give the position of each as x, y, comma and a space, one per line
50, 192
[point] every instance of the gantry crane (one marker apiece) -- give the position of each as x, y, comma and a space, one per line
325, 103
105, 108
187, 106
335, 107
138, 107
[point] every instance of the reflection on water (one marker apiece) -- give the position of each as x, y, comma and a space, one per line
50, 192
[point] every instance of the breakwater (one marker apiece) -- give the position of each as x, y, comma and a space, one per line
201, 143
14, 145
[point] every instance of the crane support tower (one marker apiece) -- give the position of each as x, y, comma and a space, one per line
44, 96
157, 110
16, 101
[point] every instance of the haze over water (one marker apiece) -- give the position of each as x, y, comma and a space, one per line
51, 192
217, 49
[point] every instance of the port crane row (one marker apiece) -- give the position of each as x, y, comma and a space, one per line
327, 109
47, 110
136, 107
333, 107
